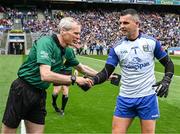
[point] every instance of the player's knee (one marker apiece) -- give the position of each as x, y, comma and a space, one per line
117, 130
65, 91
56, 90
148, 130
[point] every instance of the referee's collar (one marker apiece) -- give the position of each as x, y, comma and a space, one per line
55, 38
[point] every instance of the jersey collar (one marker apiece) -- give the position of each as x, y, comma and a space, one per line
139, 36
55, 38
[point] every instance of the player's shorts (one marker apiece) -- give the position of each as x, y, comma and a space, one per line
145, 108
24, 102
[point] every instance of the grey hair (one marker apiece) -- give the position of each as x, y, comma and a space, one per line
66, 23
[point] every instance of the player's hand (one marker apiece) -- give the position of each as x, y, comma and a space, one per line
163, 87
115, 79
86, 85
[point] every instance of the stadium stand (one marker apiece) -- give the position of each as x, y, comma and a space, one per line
99, 25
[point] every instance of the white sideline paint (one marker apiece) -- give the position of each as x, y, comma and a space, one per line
105, 61
23, 129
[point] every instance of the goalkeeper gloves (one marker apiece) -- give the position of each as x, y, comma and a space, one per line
84, 87
163, 87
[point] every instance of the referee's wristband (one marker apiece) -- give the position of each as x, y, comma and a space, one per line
73, 79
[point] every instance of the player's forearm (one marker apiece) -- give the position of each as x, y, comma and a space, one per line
104, 74
169, 66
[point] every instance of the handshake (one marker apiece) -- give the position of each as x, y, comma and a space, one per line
114, 78
86, 86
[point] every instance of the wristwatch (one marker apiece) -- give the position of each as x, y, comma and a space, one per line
73, 79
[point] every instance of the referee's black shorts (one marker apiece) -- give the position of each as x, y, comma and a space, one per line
24, 102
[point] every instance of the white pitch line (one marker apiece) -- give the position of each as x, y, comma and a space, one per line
23, 129
105, 61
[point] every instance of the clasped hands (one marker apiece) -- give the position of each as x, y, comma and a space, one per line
89, 81
84, 83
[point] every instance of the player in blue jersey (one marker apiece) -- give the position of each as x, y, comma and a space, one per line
135, 53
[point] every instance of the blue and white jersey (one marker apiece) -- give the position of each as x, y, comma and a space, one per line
136, 59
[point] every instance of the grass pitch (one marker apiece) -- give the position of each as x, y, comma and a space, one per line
92, 111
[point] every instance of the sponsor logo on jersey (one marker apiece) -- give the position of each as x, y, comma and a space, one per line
154, 116
123, 52
136, 64
134, 47
44, 54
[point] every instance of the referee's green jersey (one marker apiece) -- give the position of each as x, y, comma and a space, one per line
45, 51
69, 54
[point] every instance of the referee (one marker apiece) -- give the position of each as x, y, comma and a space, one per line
27, 95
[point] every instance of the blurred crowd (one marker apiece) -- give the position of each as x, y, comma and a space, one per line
100, 28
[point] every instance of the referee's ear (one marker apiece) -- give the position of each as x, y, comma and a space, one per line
138, 24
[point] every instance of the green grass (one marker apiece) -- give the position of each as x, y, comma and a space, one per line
92, 111
9, 66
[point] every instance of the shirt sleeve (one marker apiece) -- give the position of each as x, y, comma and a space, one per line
112, 58
44, 51
159, 53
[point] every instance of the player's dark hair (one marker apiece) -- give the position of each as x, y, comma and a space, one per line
132, 12
129, 11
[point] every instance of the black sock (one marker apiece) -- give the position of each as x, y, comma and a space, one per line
54, 98
64, 101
